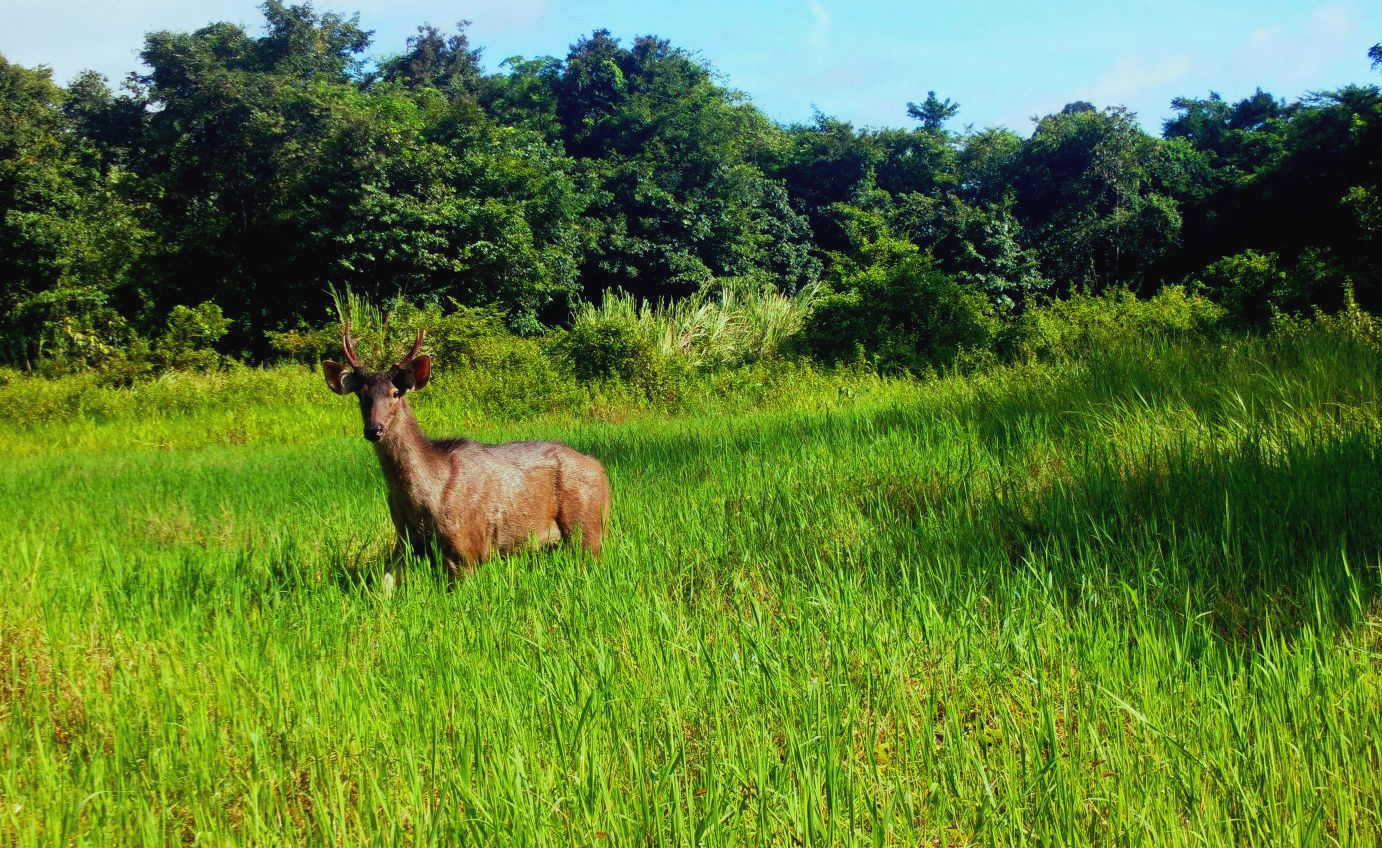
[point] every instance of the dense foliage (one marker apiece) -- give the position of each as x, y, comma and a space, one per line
252, 172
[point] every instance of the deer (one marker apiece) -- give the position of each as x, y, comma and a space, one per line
466, 500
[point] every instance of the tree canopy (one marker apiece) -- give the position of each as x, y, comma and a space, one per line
257, 170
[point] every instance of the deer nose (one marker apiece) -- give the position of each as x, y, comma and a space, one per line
374, 432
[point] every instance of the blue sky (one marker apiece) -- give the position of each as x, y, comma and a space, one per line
1003, 61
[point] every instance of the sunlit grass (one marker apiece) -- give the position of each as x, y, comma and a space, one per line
1126, 601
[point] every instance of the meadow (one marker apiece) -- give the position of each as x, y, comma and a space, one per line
1129, 599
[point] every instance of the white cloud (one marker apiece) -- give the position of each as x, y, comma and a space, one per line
107, 35
1336, 19
1300, 56
1132, 75
489, 18
821, 29
1266, 35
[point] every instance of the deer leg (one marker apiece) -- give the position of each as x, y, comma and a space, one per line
456, 569
460, 556
591, 536
583, 506
402, 544
457, 565
394, 570
587, 525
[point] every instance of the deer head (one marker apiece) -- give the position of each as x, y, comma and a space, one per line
380, 392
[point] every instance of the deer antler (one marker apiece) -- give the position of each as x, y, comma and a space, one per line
412, 354
348, 346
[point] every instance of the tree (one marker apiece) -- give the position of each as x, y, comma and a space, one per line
306, 45
1090, 200
69, 236
827, 163
914, 161
985, 163
933, 112
525, 95
982, 247
591, 89
678, 198
447, 63
109, 127
1203, 123
893, 308
423, 196
238, 129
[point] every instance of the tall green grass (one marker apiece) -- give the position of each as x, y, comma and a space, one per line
1126, 599
738, 320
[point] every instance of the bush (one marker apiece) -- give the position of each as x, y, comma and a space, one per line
899, 315
187, 342
73, 330
1087, 324
1255, 287
306, 345
606, 348
1351, 325
1250, 286
465, 335
479, 362
474, 337
615, 353
733, 321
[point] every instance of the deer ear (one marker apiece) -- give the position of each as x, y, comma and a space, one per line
337, 377
422, 371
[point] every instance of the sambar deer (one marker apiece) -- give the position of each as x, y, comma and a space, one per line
468, 500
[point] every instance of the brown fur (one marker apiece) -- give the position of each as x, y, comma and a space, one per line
470, 500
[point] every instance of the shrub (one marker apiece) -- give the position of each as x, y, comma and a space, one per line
480, 363
1087, 324
732, 321
1255, 287
475, 337
601, 348
1249, 285
71, 330
187, 341
900, 315
465, 335
306, 345
616, 356
1351, 325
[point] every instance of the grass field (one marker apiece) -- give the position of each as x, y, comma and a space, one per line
1132, 600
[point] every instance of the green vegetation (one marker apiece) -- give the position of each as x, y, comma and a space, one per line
968, 488
251, 171
898, 313
1128, 596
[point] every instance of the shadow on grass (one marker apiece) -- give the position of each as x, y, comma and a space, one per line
1276, 527
669, 453
364, 567
1249, 534
349, 563
996, 410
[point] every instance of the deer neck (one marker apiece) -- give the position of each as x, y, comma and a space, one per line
406, 456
